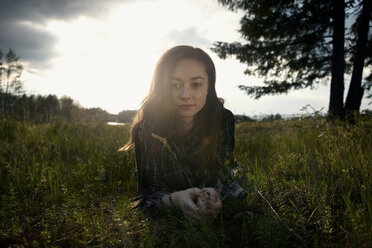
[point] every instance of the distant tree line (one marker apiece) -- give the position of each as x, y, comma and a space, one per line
44, 109
41, 109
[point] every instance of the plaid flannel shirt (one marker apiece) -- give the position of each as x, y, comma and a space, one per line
174, 167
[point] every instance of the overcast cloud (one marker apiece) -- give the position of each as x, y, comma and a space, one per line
34, 45
22, 25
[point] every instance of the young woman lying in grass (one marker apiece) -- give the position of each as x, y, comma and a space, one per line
184, 138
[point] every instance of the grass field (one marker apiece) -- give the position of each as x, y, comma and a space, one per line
66, 185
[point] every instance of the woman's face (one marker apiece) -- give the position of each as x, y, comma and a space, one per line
189, 88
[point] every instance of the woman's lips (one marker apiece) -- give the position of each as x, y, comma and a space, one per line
186, 106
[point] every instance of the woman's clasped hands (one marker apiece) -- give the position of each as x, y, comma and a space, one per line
198, 204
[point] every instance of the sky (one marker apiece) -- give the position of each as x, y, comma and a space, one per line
102, 53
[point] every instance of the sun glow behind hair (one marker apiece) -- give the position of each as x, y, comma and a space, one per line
108, 61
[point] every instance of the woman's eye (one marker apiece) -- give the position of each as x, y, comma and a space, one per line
176, 85
196, 85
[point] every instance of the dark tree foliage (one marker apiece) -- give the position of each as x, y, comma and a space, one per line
295, 44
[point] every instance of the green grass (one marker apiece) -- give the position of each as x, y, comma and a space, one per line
65, 185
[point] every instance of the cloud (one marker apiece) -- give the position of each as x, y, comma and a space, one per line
189, 36
33, 44
22, 25
40, 10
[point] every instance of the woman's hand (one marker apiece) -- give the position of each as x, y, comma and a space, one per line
197, 204
209, 203
186, 200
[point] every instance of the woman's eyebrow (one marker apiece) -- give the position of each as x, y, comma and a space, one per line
176, 79
193, 78
197, 77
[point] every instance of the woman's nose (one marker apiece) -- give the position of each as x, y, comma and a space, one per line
185, 92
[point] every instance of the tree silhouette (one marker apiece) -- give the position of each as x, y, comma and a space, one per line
295, 44
10, 74
355, 93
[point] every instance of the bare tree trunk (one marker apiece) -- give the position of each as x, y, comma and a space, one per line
355, 93
5, 107
338, 62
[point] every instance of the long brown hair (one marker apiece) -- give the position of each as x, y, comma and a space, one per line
157, 113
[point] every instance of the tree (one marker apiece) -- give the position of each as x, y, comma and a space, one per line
126, 116
67, 107
297, 44
10, 74
355, 94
